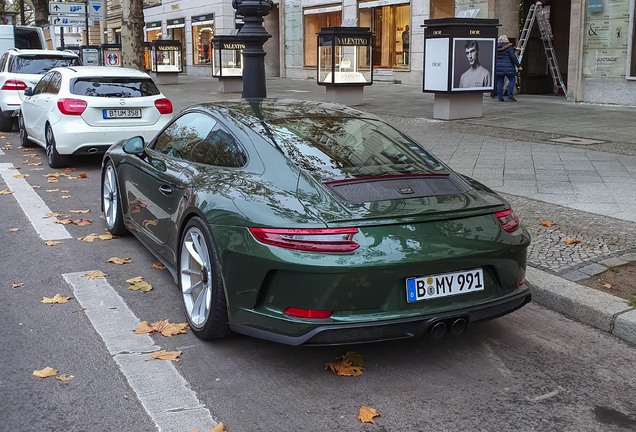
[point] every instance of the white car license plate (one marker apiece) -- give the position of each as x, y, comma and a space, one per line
444, 285
121, 113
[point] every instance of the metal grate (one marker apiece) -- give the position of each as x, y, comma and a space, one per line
392, 189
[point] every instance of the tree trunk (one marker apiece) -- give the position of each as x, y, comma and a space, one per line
41, 11
132, 34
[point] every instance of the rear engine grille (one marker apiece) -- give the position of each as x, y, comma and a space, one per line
395, 188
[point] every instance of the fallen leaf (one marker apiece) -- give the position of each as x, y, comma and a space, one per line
81, 175
63, 221
51, 190
158, 266
20, 176
52, 180
607, 286
95, 274
64, 377
13, 229
36, 187
89, 238
64, 191
571, 241
79, 211
37, 169
547, 223
34, 164
164, 327
138, 284
366, 414
70, 169
119, 261
65, 196
45, 373
57, 298
82, 222
166, 355
17, 284
342, 368
106, 237
48, 215
53, 242
5, 192
353, 358
220, 427
135, 279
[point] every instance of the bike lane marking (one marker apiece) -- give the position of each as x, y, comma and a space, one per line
162, 391
32, 205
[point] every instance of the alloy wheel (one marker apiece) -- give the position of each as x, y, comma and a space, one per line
196, 276
110, 197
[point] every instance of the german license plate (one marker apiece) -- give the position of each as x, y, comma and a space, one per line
121, 113
444, 285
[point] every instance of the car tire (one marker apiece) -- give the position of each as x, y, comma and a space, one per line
201, 282
111, 201
54, 159
24, 137
6, 123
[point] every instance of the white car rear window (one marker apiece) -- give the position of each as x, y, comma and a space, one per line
118, 87
40, 65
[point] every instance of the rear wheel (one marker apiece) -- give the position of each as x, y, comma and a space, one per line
201, 284
111, 203
55, 159
24, 137
6, 123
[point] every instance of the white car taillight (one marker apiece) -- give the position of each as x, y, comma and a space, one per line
164, 106
12, 84
71, 106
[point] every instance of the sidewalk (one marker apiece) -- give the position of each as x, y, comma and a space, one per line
574, 164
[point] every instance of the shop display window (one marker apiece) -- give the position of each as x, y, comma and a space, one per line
202, 35
344, 56
391, 27
227, 57
314, 20
166, 56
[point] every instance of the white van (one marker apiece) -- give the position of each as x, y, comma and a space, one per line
21, 37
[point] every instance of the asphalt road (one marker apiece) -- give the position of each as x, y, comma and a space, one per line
534, 370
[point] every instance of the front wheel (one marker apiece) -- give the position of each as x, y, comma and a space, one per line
111, 202
201, 283
54, 159
24, 137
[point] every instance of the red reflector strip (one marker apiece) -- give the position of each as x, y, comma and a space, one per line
310, 239
308, 313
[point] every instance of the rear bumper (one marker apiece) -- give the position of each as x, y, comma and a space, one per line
390, 329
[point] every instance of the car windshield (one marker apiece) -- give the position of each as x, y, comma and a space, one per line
335, 147
118, 87
40, 65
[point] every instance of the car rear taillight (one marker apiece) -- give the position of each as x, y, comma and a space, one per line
71, 106
12, 84
308, 313
164, 106
508, 220
312, 239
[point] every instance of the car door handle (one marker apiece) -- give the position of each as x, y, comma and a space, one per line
166, 190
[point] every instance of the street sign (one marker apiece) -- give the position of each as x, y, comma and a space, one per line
69, 21
67, 8
96, 9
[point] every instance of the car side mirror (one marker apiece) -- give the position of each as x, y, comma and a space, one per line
135, 145
28, 91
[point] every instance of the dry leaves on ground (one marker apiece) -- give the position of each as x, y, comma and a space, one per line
20, 176
53, 242
366, 414
95, 274
56, 299
158, 266
350, 364
45, 373
138, 284
79, 211
13, 229
166, 355
5, 192
17, 284
547, 223
119, 261
571, 241
92, 237
64, 377
220, 427
164, 327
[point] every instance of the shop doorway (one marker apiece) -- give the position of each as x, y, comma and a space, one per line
535, 77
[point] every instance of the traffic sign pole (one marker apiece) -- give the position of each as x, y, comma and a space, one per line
87, 38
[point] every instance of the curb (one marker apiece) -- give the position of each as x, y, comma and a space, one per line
598, 309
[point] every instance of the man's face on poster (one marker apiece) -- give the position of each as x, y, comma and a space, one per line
471, 54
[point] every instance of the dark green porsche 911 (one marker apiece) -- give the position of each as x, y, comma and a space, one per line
305, 222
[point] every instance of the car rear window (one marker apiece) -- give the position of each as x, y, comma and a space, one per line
333, 147
118, 87
39, 64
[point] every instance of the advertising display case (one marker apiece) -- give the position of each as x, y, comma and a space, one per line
227, 62
459, 64
111, 54
166, 62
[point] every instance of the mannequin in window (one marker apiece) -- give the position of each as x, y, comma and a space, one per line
406, 38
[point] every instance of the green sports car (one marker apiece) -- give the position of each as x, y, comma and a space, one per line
304, 222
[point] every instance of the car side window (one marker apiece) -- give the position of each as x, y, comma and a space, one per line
3, 61
197, 137
54, 83
41, 85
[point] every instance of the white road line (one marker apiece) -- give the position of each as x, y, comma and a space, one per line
32, 205
1, 153
163, 392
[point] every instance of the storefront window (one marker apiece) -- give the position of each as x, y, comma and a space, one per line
154, 31
202, 34
176, 31
391, 26
314, 20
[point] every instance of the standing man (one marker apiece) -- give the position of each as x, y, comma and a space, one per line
476, 75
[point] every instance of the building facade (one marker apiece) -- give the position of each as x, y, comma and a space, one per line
594, 40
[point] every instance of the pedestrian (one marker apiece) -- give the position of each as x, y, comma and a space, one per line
543, 7
507, 67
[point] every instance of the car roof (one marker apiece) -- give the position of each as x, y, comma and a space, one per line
102, 71
249, 111
44, 52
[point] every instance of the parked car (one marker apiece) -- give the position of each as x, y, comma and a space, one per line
304, 222
83, 110
20, 69
21, 37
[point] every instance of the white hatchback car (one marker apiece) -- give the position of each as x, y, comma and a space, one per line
75, 111
22, 68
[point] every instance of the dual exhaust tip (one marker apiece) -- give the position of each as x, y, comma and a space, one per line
455, 326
